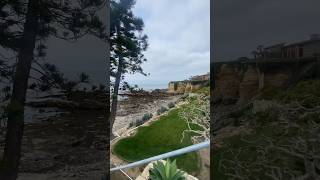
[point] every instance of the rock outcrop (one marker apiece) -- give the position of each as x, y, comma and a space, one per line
186, 86
194, 83
244, 80
76, 100
249, 84
227, 82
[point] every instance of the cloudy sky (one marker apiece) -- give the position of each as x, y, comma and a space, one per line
239, 26
179, 38
179, 34
87, 55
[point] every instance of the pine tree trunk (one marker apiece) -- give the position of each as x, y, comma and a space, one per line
212, 122
15, 124
115, 96
107, 164
108, 59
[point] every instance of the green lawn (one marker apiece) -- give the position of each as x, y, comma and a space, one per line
204, 90
163, 135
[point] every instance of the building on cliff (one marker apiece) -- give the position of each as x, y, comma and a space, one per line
205, 77
298, 50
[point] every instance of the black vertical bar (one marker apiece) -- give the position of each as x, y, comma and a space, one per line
109, 131
212, 84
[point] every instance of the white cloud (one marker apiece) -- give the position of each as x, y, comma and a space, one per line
179, 38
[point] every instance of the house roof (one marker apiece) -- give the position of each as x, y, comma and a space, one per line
303, 42
290, 44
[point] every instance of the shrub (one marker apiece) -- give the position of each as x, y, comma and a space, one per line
270, 93
69, 86
102, 87
161, 110
131, 124
94, 87
263, 118
84, 78
186, 95
167, 171
146, 117
139, 122
171, 105
236, 122
204, 90
32, 86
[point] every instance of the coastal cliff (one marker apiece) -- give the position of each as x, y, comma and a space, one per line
244, 80
186, 86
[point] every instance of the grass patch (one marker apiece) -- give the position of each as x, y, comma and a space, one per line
160, 137
270, 93
305, 91
249, 153
204, 90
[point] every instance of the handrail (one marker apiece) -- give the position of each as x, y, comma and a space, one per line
126, 174
165, 155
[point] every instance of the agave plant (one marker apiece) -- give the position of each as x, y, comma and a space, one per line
167, 171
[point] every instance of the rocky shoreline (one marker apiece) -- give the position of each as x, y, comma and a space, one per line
134, 107
129, 110
71, 146
64, 142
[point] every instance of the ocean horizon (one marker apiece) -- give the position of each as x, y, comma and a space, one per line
149, 87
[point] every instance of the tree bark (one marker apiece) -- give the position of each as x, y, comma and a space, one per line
107, 159
15, 124
108, 59
115, 96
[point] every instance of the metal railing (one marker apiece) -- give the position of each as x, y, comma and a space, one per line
164, 156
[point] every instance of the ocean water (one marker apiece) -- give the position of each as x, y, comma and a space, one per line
150, 87
146, 87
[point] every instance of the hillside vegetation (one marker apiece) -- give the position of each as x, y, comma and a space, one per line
280, 140
168, 133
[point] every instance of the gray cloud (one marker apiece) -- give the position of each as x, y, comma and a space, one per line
239, 26
179, 38
86, 55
